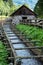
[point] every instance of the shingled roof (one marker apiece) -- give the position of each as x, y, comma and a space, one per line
23, 10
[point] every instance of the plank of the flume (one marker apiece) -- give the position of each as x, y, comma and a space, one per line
37, 47
29, 57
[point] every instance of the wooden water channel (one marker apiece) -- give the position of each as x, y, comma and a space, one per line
38, 50
19, 52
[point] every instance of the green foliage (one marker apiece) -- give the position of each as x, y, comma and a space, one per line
10, 3
39, 8
7, 7
2, 63
4, 8
32, 33
3, 54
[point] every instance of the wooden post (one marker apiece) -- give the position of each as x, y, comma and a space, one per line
42, 51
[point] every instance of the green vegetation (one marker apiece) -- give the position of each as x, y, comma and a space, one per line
39, 8
31, 33
3, 54
6, 7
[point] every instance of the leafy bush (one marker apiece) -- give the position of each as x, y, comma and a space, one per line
3, 54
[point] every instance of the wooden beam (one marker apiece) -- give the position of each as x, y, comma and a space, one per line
13, 38
36, 47
6, 43
17, 43
10, 58
11, 35
8, 49
20, 34
25, 42
29, 57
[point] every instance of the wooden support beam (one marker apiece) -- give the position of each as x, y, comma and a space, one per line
35, 40
18, 43
32, 41
29, 57
10, 58
11, 35
13, 38
6, 43
25, 42
7, 31
8, 49
20, 34
36, 47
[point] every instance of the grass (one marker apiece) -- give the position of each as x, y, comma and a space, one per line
32, 33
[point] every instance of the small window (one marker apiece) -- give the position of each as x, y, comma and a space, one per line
24, 17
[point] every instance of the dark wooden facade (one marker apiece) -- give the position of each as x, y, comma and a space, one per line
23, 10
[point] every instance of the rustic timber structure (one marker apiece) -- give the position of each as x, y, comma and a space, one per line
23, 14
